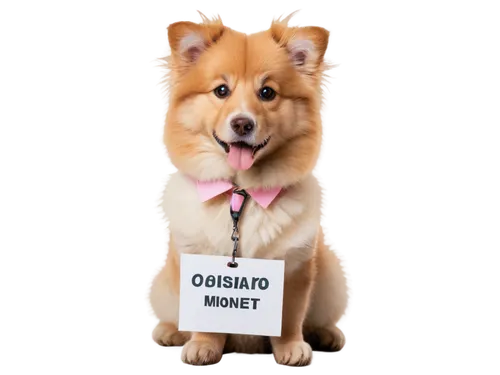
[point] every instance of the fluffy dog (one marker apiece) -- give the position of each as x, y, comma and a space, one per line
246, 109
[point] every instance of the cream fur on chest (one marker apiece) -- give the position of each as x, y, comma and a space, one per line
286, 230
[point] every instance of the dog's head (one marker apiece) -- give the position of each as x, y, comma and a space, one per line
245, 107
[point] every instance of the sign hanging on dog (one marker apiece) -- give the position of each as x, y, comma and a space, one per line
247, 299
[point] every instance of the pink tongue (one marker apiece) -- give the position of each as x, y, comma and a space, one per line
240, 157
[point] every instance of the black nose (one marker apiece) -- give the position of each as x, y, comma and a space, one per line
242, 125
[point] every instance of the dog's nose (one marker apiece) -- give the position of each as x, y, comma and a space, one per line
242, 125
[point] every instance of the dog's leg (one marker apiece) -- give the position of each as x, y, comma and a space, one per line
204, 348
290, 348
164, 299
199, 348
328, 302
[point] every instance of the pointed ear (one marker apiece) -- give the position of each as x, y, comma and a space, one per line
189, 40
306, 46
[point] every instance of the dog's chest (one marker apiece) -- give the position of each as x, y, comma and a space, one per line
290, 222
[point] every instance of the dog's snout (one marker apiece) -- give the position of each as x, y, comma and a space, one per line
242, 125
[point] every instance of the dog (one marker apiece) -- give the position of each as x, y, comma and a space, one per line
246, 109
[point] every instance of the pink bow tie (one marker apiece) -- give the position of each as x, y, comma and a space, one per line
210, 189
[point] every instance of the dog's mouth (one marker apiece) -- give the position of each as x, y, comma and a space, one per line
240, 154
254, 148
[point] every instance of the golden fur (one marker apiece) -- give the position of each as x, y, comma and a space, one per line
290, 61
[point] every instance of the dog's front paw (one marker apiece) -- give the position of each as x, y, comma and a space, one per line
200, 353
166, 334
293, 353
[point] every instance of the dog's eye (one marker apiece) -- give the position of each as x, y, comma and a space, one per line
222, 91
267, 94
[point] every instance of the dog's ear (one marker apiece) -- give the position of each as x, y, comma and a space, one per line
306, 46
189, 40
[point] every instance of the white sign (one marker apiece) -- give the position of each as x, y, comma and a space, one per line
247, 299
